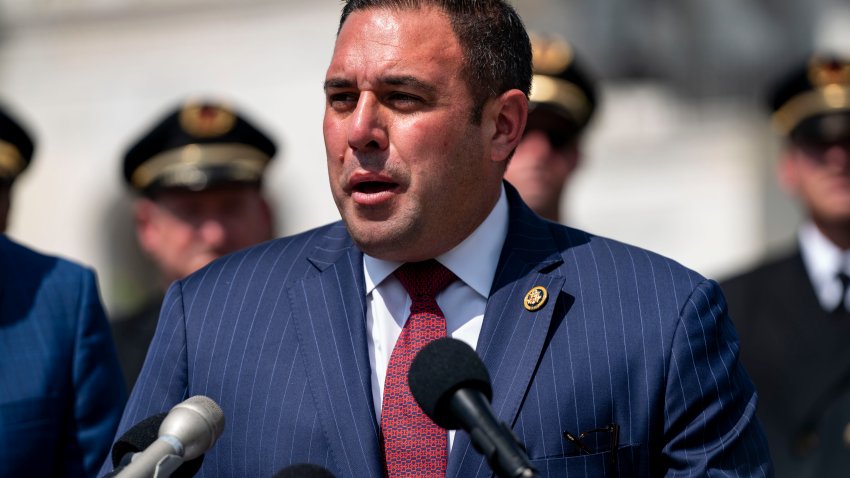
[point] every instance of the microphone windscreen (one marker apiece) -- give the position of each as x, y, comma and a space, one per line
304, 470
140, 436
441, 368
137, 438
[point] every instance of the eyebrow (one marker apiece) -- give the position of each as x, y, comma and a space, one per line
337, 83
403, 80
409, 81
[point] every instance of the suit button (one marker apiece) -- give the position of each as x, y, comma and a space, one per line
806, 443
847, 436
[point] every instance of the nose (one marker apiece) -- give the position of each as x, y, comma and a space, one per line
536, 141
213, 233
367, 131
838, 157
535, 150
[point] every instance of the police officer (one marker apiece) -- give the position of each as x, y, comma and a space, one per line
16, 148
791, 311
563, 99
197, 175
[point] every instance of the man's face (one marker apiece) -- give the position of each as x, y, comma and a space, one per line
543, 163
411, 174
183, 230
819, 175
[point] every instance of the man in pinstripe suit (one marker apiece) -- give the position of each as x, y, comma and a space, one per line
426, 102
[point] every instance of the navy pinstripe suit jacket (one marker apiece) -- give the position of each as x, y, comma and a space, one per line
61, 389
276, 335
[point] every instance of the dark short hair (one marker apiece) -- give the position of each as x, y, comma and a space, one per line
495, 45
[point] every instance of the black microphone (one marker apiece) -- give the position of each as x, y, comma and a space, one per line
169, 444
451, 385
304, 470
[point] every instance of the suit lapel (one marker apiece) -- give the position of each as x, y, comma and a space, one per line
329, 313
513, 338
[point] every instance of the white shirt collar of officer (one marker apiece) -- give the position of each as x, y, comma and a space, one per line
823, 261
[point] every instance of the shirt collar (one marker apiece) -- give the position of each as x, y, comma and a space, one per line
473, 261
822, 258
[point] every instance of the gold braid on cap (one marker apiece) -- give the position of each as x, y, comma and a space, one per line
831, 80
11, 161
552, 55
182, 166
547, 89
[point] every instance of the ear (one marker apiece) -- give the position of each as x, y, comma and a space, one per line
573, 157
144, 212
787, 172
510, 112
268, 216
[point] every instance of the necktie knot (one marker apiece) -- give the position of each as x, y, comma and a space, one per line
844, 278
424, 280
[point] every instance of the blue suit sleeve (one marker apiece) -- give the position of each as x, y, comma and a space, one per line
98, 384
162, 382
710, 427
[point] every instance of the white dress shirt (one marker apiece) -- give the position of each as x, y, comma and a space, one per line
473, 261
823, 260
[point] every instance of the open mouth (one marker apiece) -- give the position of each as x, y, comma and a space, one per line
374, 187
373, 192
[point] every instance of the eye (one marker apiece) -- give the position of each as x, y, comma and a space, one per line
342, 101
404, 101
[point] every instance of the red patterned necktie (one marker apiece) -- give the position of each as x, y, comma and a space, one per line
414, 446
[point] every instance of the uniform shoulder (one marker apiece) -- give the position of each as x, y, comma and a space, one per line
769, 268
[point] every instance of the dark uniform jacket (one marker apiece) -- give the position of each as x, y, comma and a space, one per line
133, 335
798, 355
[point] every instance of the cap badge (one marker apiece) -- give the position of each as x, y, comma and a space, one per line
535, 299
829, 72
206, 121
551, 55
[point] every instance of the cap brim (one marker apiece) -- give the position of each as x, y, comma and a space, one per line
824, 128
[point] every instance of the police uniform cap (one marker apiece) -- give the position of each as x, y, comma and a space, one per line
812, 102
199, 145
16, 148
561, 88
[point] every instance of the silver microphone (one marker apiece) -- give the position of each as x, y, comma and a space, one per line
190, 429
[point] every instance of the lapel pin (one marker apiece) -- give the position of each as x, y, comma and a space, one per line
535, 299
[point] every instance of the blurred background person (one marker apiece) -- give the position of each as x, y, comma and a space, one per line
16, 148
563, 99
792, 311
198, 175
61, 391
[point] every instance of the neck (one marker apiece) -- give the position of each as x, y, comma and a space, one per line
837, 233
552, 212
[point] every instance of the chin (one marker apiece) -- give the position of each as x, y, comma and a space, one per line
384, 241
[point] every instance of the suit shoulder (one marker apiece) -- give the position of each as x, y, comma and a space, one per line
31, 266
288, 252
576, 242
